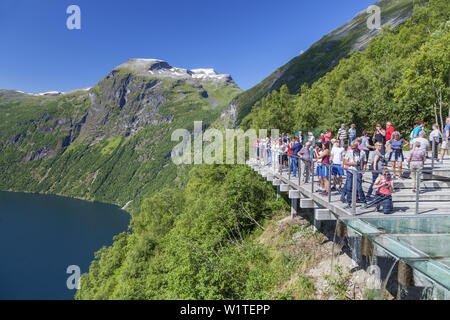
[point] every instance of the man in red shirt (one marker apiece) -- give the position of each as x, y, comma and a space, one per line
389, 131
328, 136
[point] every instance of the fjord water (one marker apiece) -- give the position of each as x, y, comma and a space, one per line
41, 235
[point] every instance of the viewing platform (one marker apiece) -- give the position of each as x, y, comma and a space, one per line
432, 199
413, 242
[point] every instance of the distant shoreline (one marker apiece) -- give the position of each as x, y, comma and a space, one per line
73, 198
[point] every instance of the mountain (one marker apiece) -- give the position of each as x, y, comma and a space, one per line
319, 59
227, 235
111, 142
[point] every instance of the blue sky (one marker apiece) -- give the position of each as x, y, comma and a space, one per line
248, 39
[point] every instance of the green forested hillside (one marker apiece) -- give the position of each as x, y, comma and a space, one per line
403, 75
211, 241
322, 56
110, 143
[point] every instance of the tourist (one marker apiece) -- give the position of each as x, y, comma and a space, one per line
422, 139
389, 130
262, 150
289, 153
328, 136
269, 151
305, 155
435, 139
325, 171
355, 159
274, 150
342, 135
380, 136
279, 153
295, 148
445, 139
417, 159
365, 143
317, 153
300, 137
417, 130
396, 156
377, 164
257, 144
352, 133
344, 190
336, 159
385, 187
322, 137
311, 139
284, 151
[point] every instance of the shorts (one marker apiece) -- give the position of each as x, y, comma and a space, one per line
396, 156
445, 145
319, 171
325, 171
336, 170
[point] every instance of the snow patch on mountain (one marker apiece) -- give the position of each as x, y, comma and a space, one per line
51, 93
156, 67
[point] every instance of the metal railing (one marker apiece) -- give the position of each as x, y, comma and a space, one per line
278, 165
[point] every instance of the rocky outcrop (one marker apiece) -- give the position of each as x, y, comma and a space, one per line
128, 99
39, 154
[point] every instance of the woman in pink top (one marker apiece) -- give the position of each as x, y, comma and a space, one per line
385, 187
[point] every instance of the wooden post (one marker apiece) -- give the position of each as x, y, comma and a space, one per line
341, 229
405, 275
366, 247
294, 203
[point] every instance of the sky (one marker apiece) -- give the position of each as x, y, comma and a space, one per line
248, 39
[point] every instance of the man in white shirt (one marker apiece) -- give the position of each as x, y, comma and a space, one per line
435, 137
424, 144
337, 157
356, 161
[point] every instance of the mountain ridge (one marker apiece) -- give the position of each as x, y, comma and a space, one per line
111, 142
320, 58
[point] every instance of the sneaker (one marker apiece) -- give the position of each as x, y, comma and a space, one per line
347, 206
324, 193
364, 205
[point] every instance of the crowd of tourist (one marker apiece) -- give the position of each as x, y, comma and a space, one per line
346, 154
